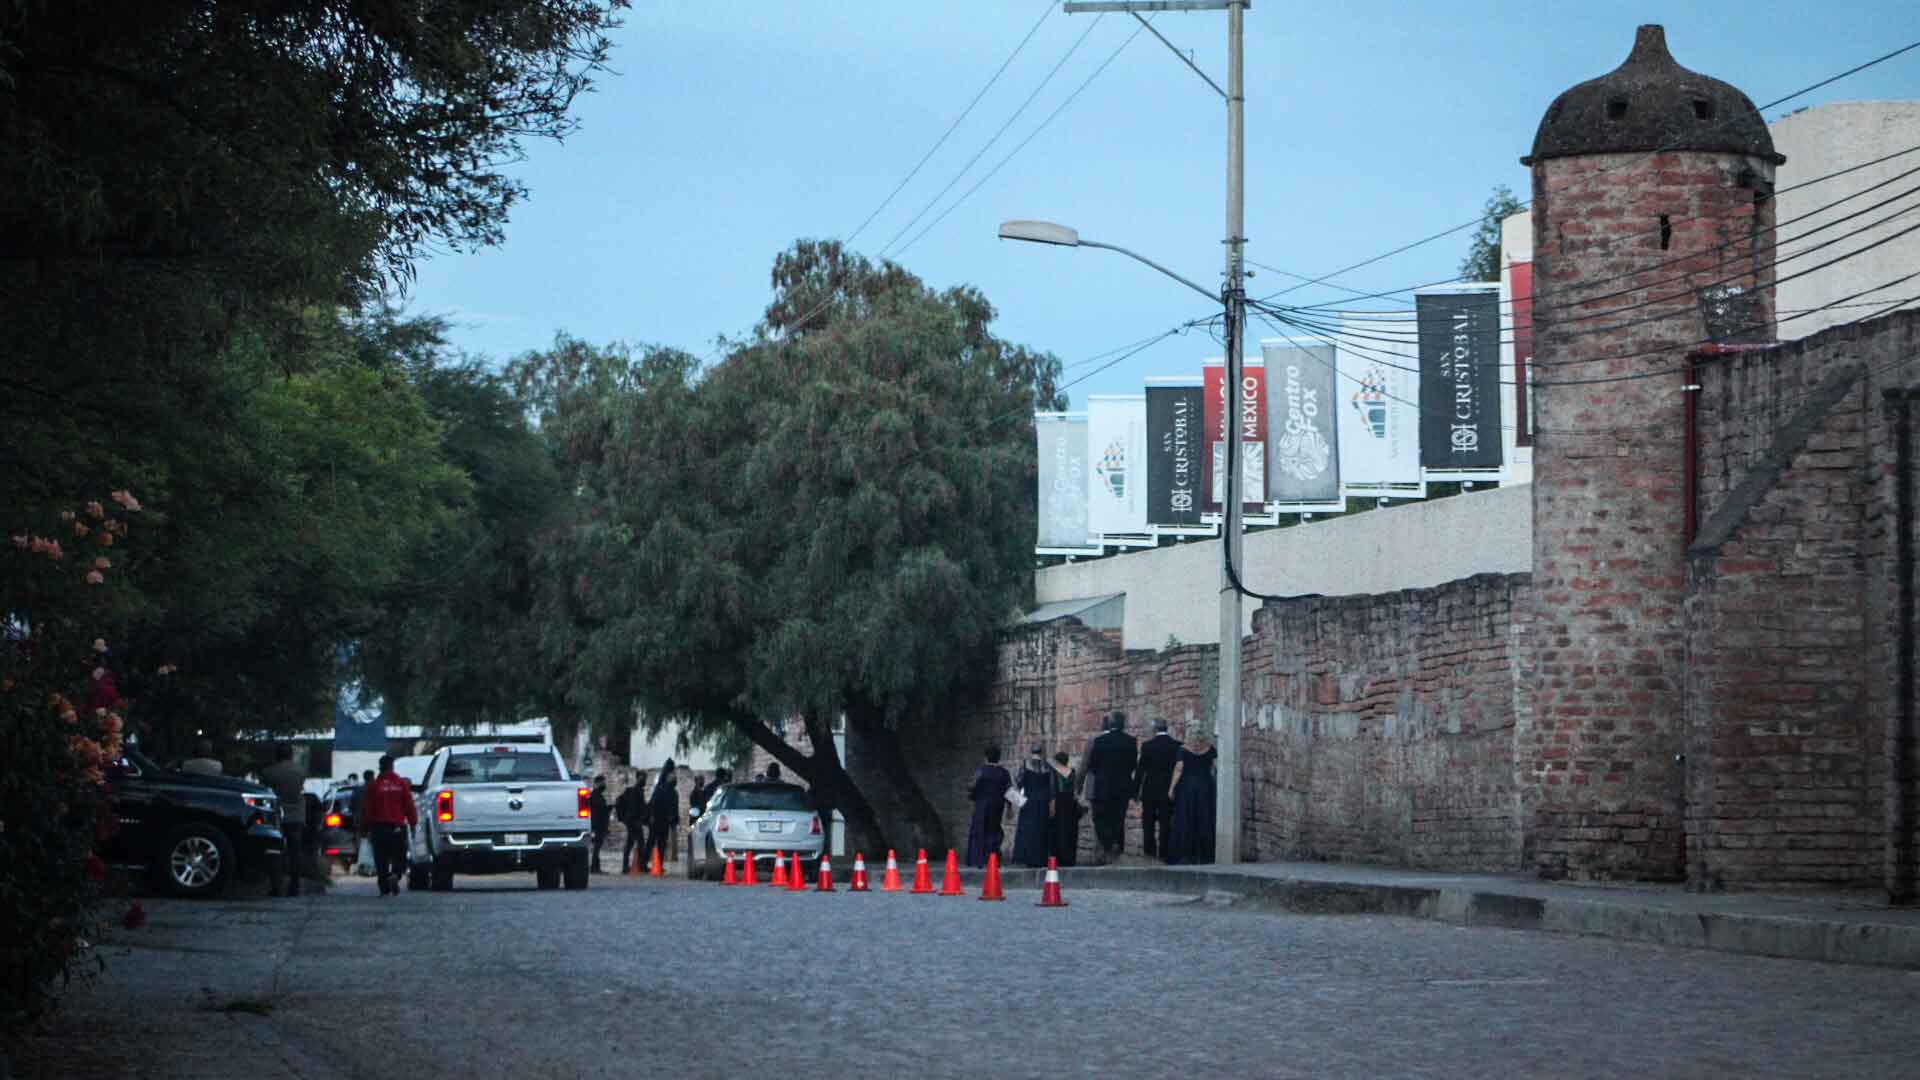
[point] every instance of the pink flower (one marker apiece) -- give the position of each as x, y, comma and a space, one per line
94, 509
94, 577
66, 515
100, 643
101, 563
125, 499
21, 541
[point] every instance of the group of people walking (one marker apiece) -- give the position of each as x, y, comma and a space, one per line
1172, 782
649, 813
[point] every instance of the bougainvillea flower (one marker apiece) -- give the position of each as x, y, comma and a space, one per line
101, 563
80, 528
94, 577
125, 499
20, 541
94, 509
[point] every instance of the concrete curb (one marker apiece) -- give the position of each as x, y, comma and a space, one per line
1836, 941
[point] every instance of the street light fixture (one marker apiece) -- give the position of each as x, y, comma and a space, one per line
1048, 232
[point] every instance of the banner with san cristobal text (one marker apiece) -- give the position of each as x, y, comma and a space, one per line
1063, 482
1303, 450
1117, 449
1174, 441
1246, 419
1377, 392
1459, 327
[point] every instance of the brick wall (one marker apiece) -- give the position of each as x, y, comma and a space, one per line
1598, 752
1382, 726
1792, 638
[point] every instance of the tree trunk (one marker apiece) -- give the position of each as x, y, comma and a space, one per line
906, 808
822, 771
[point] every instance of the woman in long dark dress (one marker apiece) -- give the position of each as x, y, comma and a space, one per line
1030, 837
1192, 833
989, 794
1064, 840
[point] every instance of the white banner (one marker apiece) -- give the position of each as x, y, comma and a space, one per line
1063, 482
1378, 393
1117, 448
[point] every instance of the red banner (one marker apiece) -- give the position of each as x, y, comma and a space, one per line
1250, 422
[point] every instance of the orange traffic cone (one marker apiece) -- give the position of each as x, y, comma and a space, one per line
747, 876
826, 874
653, 868
950, 877
1050, 891
890, 880
859, 882
990, 890
796, 877
779, 870
922, 880
728, 878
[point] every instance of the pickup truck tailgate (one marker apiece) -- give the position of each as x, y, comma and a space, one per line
480, 810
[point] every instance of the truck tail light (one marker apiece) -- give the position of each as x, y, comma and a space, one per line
333, 821
443, 806
586, 808
814, 828
721, 823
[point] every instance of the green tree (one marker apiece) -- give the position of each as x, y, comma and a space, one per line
1482, 262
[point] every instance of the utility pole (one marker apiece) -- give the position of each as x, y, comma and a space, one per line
1233, 297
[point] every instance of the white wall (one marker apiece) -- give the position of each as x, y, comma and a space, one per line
1173, 591
1821, 140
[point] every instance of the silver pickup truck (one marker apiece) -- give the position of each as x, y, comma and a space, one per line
501, 808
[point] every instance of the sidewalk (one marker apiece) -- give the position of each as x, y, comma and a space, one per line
1839, 928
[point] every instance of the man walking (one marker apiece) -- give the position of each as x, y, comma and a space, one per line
389, 813
1108, 765
599, 812
1150, 783
630, 809
288, 781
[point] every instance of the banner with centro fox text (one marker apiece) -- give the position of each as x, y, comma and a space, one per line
1377, 393
1460, 410
1174, 438
1117, 452
1245, 419
1303, 450
1062, 491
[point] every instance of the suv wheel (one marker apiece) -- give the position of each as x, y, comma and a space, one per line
196, 861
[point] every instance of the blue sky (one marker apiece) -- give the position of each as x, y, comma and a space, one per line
725, 132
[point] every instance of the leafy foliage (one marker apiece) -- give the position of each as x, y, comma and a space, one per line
1482, 262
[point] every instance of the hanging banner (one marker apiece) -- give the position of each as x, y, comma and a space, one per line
1377, 391
1302, 442
1248, 419
1174, 415
1459, 329
1520, 277
1063, 482
1117, 445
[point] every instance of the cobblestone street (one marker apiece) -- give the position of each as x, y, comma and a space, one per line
637, 976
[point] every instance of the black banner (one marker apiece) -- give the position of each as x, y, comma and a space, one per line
1459, 379
1175, 441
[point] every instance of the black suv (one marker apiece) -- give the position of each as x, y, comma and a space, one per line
193, 833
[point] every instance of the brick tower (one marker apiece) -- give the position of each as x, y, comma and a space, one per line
1653, 231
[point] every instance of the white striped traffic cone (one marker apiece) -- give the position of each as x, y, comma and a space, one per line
1050, 890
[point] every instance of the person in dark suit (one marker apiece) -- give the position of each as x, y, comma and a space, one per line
1151, 781
600, 817
663, 808
630, 809
1108, 767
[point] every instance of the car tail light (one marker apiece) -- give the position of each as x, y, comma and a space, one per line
721, 823
333, 851
586, 809
443, 806
814, 829
333, 821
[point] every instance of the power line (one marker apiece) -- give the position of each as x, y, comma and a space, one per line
978, 154
1047, 9
1115, 55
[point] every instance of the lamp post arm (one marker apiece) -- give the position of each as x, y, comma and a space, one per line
1137, 257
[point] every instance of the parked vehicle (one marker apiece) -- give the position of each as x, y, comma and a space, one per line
338, 841
756, 821
500, 809
193, 833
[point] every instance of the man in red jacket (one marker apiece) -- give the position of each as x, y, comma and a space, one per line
385, 816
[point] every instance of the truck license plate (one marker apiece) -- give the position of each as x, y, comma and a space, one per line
516, 838
771, 826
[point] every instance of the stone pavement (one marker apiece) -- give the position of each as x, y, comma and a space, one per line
1848, 928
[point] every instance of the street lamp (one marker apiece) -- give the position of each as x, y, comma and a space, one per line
1228, 713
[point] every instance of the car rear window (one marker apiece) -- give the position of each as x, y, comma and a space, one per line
768, 798
499, 768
